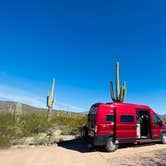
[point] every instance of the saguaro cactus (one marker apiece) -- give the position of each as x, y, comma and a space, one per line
50, 101
120, 92
17, 112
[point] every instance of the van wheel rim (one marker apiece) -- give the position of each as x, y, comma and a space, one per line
164, 138
112, 145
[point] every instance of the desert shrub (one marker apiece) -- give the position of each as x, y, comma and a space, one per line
30, 125
70, 125
4, 142
6, 122
34, 124
67, 130
41, 139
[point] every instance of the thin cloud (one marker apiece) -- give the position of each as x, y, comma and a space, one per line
71, 107
19, 95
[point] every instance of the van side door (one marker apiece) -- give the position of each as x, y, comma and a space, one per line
126, 125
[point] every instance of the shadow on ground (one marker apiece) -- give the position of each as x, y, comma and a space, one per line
77, 145
83, 147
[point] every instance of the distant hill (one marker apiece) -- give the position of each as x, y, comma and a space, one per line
86, 113
163, 116
9, 106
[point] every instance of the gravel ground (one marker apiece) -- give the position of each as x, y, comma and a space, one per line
78, 153
157, 158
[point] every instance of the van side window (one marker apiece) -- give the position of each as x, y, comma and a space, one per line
110, 118
156, 119
126, 119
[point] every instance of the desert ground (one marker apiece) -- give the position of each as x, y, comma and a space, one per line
79, 153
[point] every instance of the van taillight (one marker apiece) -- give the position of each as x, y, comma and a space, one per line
95, 128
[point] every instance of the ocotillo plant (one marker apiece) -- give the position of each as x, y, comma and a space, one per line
120, 92
50, 101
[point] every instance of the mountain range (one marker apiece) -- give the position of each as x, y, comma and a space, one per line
10, 105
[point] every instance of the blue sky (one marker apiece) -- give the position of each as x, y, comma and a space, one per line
78, 44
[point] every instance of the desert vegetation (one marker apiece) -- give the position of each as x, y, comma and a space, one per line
164, 119
35, 129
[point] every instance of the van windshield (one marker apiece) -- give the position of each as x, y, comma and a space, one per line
93, 110
92, 114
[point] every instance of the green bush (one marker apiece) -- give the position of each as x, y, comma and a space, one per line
4, 142
30, 125
34, 123
67, 130
70, 125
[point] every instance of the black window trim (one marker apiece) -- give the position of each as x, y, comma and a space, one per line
111, 115
126, 122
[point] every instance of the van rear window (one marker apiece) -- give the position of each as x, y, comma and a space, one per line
126, 119
110, 118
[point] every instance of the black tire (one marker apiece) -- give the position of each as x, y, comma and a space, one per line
163, 138
84, 132
111, 146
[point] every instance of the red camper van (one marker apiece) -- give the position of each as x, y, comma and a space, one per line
114, 123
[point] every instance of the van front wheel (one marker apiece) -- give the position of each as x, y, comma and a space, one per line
163, 138
111, 146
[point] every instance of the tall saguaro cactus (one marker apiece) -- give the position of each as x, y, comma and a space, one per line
50, 101
120, 92
117, 82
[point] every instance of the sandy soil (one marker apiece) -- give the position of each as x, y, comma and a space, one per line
77, 153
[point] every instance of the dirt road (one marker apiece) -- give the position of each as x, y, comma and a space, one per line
77, 153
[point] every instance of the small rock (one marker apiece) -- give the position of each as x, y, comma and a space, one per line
57, 133
67, 137
29, 141
42, 134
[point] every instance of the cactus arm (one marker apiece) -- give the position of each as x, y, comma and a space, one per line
124, 91
121, 94
112, 91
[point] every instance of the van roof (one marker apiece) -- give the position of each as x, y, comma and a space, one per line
124, 104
